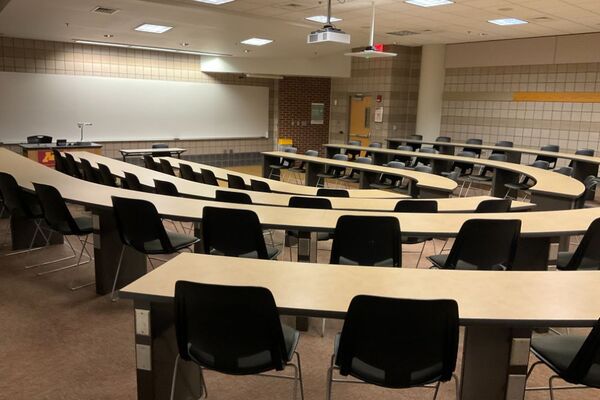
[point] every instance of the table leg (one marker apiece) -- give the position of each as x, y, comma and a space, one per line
582, 170
307, 252
500, 178
495, 360
107, 249
22, 231
155, 353
532, 254
513, 157
266, 170
366, 178
312, 169
381, 158
439, 166
331, 151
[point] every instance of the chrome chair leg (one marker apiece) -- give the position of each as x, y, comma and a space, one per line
112, 294
66, 258
174, 377
83, 248
300, 376
436, 391
329, 380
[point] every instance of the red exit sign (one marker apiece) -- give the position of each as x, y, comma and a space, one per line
378, 47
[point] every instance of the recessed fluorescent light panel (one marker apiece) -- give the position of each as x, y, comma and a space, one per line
507, 21
322, 19
256, 41
164, 49
215, 2
429, 3
152, 28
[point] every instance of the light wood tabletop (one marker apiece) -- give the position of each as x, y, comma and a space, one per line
279, 186
193, 189
151, 150
484, 297
535, 224
523, 150
422, 179
546, 181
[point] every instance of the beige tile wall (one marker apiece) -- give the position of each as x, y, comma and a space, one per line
486, 110
47, 57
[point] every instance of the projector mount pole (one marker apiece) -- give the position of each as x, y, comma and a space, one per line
328, 12
372, 40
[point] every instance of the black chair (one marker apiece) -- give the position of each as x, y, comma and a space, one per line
575, 359
397, 343
587, 254
59, 218
151, 164
367, 240
441, 139
526, 182
353, 175
72, 167
166, 188
582, 152
106, 177
227, 196
373, 145
59, 162
141, 228
568, 171
284, 163
388, 181
406, 160
415, 146
476, 150
422, 160
549, 159
314, 203
417, 206
133, 183
259, 186
332, 171
23, 205
463, 169
482, 244
352, 153
186, 172
482, 176
590, 183
502, 143
235, 182
166, 167
323, 192
297, 171
233, 330
89, 173
208, 177
159, 146
234, 233
493, 206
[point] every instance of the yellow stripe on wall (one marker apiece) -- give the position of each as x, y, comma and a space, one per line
567, 97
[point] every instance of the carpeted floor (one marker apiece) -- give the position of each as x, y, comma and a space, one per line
56, 344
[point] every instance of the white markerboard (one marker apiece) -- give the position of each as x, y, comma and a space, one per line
128, 109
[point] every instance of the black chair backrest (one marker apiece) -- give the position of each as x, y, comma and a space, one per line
310, 202
166, 167
485, 243
502, 143
476, 150
232, 232
589, 193
56, 212
332, 192
588, 251
18, 202
151, 164
166, 188
582, 152
416, 137
188, 173
133, 183
493, 157
367, 240
159, 146
376, 334
416, 206
72, 167
218, 326
227, 196
587, 357
494, 206
551, 160
138, 223
376, 145
106, 177
259, 186
59, 162
443, 139
89, 173
208, 177
235, 182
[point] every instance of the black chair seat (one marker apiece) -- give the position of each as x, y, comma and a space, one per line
479, 178
559, 351
272, 252
321, 236
278, 166
84, 224
381, 186
387, 262
414, 240
517, 186
563, 258
178, 241
439, 261
349, 179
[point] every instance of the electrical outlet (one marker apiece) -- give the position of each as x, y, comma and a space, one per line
142, 322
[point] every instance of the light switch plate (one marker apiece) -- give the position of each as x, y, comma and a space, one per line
142, 322
519, 352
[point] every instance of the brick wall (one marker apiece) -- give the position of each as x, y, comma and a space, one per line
295, 97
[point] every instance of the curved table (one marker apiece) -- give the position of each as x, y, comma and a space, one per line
421, 184
551, 191
497, 309
583, 166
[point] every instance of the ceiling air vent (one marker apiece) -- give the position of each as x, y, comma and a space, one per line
541, 19
402, 33
105, 10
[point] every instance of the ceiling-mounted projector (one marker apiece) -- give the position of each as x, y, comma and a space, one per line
328, 33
